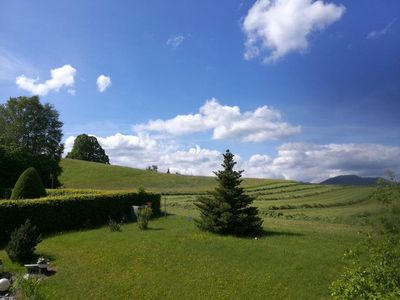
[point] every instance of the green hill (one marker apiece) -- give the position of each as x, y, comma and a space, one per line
352, 180
79, 174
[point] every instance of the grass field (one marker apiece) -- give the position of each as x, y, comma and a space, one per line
79, 174
173, 260
308, 227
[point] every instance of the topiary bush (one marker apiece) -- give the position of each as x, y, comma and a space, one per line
29, 186
23, 242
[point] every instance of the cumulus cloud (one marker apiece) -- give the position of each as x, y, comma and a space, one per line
103, 82
314, 163
279, 27
297, 161
376, 34
59, 77
142, 150
226, 122
174, 41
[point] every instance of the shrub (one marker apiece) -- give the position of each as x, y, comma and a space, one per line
114, 226
144, 214
71, 211
373, 271
28, 186
23, 242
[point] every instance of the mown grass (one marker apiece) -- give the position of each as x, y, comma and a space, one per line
79, 174
174, 260
297, 258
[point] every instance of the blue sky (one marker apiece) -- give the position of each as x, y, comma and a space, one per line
328, 73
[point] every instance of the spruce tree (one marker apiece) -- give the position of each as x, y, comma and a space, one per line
227, 209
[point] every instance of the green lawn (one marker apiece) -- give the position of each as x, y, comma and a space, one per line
295, 260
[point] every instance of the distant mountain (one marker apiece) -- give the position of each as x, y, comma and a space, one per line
351, 180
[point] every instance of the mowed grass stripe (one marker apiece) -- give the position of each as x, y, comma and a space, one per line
343, 197
295, 188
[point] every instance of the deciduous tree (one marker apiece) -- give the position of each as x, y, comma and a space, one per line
88, 148
30, 135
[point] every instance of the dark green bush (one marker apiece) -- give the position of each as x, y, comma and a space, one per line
73, 211
23, 242
29, 186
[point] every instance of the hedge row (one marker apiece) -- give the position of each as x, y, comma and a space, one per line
73, 211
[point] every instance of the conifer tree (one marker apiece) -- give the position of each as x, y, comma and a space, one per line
227, 210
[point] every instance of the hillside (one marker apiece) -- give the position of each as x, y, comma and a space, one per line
88, 175
351, 180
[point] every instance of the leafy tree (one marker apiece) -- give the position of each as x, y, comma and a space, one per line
29, 124
14, 160
30, 132
28, 186
88, 148
374, 267
227, 210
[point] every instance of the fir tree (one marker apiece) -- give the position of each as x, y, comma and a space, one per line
227, 210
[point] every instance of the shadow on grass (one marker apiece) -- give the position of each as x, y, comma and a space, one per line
154, 229
268, 233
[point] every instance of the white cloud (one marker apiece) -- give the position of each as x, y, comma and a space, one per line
376, 34
279, 27
103, 82
227, 122
297, 161
314, 163
174, 41
60, 77
142, 150
71, 91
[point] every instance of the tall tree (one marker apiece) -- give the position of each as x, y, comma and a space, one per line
27, 123
88, 148
30, 134
227, 210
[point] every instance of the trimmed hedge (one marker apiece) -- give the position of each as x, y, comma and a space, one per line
74, 211
5, 193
